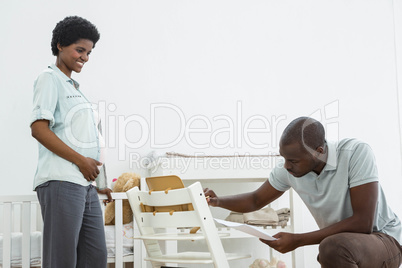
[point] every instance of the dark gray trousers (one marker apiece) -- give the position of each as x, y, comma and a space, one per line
352, 250
73, 231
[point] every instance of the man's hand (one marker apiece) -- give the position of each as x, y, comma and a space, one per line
285, 242
107, 192
212, 199
89, 168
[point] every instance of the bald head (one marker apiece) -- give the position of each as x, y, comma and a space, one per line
305, 131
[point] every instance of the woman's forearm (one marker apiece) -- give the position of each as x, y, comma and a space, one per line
46, 137
87, 166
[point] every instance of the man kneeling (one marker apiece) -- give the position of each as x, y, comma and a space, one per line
338, 182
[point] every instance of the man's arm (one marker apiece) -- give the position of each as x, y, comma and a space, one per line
246, 202
41, 132
364, 201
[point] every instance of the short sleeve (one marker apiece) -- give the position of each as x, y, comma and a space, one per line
44, 99
279, 178
362, 166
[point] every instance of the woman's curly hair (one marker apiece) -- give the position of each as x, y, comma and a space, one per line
70, 30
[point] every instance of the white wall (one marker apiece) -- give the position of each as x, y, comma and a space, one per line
221, 62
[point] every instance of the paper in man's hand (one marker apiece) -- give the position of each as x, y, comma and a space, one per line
249, 229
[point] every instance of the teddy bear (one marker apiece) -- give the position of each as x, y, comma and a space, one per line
123, 183
263, 263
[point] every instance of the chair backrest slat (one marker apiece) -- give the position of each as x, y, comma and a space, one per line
162, 198
165, 220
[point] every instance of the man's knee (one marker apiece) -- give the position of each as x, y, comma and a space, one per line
327, 248
334, 250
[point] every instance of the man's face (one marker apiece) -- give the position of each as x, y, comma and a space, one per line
298, 161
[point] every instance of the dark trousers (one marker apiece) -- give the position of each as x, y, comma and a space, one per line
73, 231
376, 250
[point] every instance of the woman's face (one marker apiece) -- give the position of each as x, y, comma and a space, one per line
73, 57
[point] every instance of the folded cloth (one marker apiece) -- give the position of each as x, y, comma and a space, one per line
283, 211
264, 216
235, 217
283, 217
283, 223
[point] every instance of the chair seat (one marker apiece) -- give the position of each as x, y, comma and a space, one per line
194, 257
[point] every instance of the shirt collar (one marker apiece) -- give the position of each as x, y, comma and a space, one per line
331, 161
64, 76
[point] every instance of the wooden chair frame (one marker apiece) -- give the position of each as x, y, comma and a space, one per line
201, 216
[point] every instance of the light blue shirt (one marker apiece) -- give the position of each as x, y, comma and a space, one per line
57, 98
350, 163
